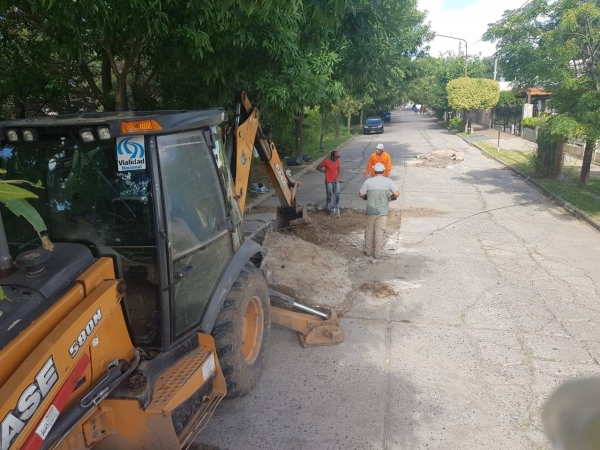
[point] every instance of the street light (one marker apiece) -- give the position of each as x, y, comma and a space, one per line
466, 52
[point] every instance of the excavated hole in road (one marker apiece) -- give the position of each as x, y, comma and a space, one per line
343, 235
312, 262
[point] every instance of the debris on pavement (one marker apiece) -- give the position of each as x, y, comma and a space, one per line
438, 158
379, 288
259, 188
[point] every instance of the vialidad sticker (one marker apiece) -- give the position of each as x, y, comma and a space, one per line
131, 153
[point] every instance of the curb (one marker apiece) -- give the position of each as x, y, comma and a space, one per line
566, 205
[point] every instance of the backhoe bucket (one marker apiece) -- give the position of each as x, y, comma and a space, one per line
290, 217
313, 331
318, 327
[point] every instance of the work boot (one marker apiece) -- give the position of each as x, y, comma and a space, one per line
368, 253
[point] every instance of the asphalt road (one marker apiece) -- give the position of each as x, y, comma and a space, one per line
498, 304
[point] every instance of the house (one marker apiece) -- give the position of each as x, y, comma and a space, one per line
536, 96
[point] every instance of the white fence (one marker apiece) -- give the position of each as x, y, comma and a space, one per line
577, 151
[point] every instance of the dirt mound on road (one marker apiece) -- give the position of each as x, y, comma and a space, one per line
312, 274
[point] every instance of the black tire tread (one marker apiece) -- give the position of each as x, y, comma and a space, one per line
240, 376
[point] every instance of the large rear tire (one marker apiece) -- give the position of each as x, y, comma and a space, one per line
241, 331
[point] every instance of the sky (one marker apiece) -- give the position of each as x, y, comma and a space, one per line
465, 19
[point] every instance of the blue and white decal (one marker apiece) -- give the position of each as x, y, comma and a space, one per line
131, 153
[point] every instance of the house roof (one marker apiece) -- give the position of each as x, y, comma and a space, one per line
534, 91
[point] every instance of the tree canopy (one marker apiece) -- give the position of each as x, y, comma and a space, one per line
77, 56
431, 75
555, 45
473, 93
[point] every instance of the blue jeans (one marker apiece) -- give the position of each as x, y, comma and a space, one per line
332, 188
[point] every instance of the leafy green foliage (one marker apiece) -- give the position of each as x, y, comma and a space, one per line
532, 122
562, 126
508, 99
290, 57
456, 123
545, 155
431, 75
472, 93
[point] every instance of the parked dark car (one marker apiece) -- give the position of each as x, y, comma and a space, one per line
385, 115
373, 125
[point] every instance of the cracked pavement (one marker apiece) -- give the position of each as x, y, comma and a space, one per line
498, 303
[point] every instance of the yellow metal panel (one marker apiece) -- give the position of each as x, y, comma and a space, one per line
100, 271
45, 369
13, 355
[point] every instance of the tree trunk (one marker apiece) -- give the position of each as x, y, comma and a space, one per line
586, 163
362, 115
348, 123
558, 164
121, 93
337, 125
323, 125
107, 86
106, 74
19, 110
121, 90
298, 119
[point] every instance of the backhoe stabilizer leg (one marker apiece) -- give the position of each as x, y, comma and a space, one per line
313, 331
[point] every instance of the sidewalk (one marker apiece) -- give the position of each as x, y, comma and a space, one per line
512, 142
507, 141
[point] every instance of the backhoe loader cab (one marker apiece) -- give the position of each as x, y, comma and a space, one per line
120, 336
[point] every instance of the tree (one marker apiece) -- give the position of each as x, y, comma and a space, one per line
116, 44
376, 43
304, 84
349, 106
33, 76
555, 45
472, 93
431, 75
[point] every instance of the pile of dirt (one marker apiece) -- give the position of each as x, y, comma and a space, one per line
312, 274
439, 158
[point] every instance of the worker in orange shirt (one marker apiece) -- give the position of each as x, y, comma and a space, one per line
379, 156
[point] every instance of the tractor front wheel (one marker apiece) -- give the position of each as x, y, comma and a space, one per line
241, 331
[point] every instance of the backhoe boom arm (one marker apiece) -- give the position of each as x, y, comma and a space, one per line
249, 135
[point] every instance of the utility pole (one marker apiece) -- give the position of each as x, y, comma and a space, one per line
495, 67
459, 49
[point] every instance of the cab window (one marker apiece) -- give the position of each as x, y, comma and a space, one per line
197, 221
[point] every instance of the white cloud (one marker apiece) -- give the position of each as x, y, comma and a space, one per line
468, 23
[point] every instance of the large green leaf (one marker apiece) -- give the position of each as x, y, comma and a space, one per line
9, 191
20, 207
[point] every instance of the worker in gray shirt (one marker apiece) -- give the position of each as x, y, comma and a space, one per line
377, 191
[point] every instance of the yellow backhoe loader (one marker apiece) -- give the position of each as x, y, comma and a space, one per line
151, 307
